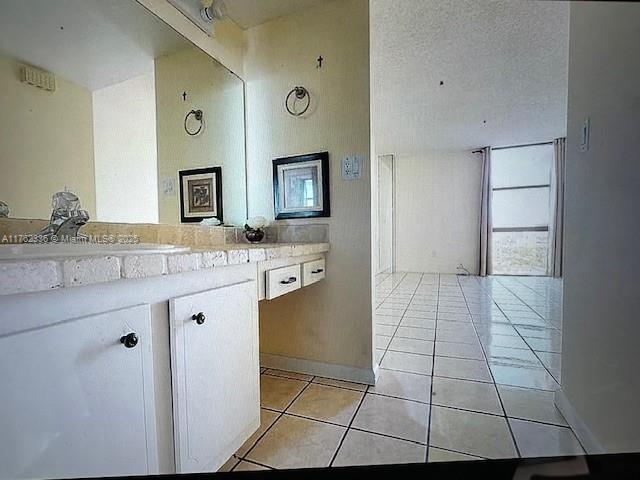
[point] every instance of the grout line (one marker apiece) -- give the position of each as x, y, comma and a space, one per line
274, 422
513, 438
433, 367
344, 435
524, 339
250, 461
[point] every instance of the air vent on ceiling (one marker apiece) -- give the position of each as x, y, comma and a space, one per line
38, 78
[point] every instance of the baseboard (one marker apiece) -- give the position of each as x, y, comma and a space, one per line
329, 370
588, 440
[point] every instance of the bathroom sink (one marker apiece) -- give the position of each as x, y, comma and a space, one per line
52, 250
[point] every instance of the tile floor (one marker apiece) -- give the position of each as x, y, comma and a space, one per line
468, 367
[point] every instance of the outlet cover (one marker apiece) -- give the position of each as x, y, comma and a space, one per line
352, 167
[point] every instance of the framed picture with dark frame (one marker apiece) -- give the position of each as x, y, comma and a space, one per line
200, 194
301, 186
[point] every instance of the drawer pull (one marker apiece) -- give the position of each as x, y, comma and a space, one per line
130, 340
288, 281
199, 318
317, 270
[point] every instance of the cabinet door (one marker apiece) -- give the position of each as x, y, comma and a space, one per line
77, 402
215, 374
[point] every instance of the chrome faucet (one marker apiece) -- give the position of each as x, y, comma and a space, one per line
66, 219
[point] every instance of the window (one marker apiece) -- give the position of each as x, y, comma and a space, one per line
520, 209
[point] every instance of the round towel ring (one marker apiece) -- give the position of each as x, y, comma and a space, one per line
199, 116
300, 93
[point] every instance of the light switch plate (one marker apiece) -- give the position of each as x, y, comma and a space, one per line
585, 134
168, 186
352, 167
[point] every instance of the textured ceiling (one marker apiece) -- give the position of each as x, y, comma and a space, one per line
249, 13
503, 65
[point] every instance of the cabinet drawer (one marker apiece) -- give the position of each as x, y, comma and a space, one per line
282, 280
312, 272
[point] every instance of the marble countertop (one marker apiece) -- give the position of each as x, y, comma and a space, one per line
40, 274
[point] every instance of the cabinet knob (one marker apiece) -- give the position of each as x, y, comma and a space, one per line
199, 318
288, 281
130, 340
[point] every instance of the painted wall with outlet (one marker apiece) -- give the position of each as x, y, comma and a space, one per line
437, 205
47, 143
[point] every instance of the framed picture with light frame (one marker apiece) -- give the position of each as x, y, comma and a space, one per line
301, 186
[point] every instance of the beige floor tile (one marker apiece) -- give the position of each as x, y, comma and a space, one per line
459, 350
340, 383
530, 404
393, 416
411, 345
472, 433
387, 319
553, 362
462, 368
278, 392
294, 442
245, 466
409, 386
512, 356
539, 440
477, 396
381, 341
388, 330
439, 455
325, 403
229, 464
267, 417
462, 336
394, 312
413, 332
418, 322
537, 378
410, 313
363, 448
282, 373
407, 362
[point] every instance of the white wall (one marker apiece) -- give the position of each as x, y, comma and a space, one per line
45, 143
601, 287
385, 214
437, 211
329, 322
124, 138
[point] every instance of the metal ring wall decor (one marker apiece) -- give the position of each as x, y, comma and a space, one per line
300, 93
199, 116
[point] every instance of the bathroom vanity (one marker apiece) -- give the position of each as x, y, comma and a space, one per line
140, 359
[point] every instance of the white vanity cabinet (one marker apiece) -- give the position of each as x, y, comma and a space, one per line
76, 401
215, 374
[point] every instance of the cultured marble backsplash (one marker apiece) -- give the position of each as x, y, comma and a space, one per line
187, 235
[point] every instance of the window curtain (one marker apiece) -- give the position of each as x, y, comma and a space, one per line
485, 214
556, 232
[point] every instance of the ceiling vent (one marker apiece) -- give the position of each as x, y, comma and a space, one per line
38, 78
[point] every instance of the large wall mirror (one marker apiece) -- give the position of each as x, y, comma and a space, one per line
105, 100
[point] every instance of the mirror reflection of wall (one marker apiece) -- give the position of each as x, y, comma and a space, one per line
112, 130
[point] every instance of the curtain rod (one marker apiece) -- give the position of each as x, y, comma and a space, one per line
515, 146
